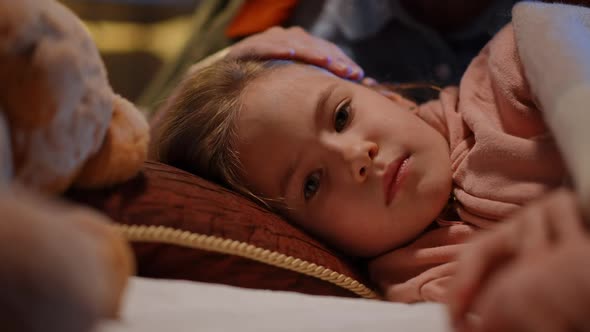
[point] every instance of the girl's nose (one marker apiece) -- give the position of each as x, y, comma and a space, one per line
360, 158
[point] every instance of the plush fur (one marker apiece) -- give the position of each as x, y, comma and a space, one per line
61, 125
59, 106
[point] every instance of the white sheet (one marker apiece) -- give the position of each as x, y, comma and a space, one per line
166, 305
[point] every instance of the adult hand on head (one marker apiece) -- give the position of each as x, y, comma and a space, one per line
296, 44
529, 274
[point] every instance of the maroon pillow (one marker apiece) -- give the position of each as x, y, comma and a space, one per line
184, 227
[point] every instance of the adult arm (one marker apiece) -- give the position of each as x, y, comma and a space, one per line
530, 274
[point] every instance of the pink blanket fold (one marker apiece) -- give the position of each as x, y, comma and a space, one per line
501, 151
502, 157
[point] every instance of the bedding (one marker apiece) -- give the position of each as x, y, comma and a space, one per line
172, 305
554, 44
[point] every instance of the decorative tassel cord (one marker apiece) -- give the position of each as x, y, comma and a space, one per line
161, 234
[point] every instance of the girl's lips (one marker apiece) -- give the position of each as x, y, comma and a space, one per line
393, 177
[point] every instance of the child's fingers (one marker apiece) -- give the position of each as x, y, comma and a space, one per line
436, 290
429, 285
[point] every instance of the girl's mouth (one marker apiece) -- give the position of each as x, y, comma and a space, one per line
394, 176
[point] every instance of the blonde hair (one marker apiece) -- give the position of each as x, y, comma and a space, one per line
197, 132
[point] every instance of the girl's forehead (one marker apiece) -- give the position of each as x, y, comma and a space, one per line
281, 104
291, 85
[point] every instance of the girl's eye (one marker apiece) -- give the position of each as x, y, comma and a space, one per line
342, 117
311, 185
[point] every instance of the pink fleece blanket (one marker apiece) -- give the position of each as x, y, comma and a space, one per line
502, 155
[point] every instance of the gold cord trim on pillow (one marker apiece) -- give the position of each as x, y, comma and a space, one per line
142, 233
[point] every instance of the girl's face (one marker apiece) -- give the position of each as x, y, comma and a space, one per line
352, 167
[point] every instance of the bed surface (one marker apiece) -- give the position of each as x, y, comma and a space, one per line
171, 305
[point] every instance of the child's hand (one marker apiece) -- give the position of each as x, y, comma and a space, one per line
421, 271
296, 44
530, 274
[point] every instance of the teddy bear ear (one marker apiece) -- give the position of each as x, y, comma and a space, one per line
123, 150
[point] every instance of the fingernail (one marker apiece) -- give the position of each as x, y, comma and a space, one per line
369, 81
357, 74
348, 72
361, 74
340, 67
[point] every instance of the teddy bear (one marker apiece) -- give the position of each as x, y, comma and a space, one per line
63, 267
66, 125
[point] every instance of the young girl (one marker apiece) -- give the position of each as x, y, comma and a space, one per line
367, 173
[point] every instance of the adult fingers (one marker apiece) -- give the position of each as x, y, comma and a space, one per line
504, 314
261, 49
369, 81
340, 59
563, 210
475, 265
295, 51
295, 43
553, 219
514, 300
536, 230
